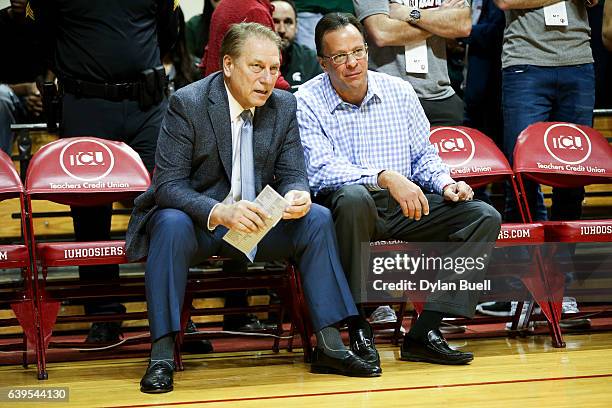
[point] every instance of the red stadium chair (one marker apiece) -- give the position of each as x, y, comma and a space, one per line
475, 159
565, 155
82, 171
22, 300
285, 281
89, 171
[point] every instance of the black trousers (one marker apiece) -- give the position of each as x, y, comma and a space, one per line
444, 112
361, 216
120, 121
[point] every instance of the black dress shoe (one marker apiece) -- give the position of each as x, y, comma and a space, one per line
351, 365
104, 333
250, 324
158, 378
433, 349
363, 346
195, 346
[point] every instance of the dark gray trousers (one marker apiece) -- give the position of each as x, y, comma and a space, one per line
362, 216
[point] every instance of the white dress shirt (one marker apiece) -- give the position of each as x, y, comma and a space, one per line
235, 192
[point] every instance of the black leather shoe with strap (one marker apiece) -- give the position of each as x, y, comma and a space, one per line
351, 365
158, 378
433, 349
363, 346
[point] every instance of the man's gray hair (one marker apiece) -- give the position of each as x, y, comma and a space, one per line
238, 34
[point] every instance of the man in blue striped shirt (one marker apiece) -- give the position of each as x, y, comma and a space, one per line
368, 157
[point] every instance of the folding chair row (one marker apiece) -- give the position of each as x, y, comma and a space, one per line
564, 155
88, 171
18, 256
583, 156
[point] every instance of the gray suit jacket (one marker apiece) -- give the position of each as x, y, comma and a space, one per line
194, 156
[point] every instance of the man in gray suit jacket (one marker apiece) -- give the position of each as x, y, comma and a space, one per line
212, 159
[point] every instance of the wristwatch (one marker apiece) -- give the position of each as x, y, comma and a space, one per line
414, 16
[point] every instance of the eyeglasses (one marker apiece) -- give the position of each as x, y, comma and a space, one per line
358, 54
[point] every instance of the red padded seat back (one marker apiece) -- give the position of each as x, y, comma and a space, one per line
563, 155
471, 156
10, 183
86, 171
11, 256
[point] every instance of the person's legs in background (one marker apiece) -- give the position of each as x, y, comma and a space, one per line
120, 121
528, 92
10, 107
444, 112
574, 104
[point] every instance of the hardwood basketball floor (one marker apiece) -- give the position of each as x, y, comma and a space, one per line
522, 372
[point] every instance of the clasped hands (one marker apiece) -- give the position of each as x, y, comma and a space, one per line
410, 197
246, 216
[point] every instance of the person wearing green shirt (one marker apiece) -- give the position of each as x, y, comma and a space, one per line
196, 29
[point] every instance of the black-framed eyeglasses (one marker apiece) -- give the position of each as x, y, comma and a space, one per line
358, 54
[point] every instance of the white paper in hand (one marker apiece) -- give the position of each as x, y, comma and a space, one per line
5, 4
274, 204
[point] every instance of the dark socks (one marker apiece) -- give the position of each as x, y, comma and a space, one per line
427, 321
330, 342
163, 348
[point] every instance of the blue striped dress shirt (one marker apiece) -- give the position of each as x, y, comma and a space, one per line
348, 144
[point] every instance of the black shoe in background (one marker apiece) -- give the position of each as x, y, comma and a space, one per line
195, 346
247, 323
104, 333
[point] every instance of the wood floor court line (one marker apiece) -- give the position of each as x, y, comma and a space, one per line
422, 387
509, 372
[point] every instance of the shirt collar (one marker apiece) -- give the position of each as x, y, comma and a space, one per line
235, 108
334, 101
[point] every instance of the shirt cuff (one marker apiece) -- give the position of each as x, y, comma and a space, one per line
371, 182
209, 214
443, 181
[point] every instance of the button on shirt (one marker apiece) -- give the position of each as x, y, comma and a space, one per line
236, 121
347, 144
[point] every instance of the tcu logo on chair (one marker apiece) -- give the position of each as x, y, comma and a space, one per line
455, 146
86, 160
567, 143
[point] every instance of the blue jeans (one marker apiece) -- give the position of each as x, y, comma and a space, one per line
533, 94
11, 111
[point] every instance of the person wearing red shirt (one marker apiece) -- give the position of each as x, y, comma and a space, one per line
230, 12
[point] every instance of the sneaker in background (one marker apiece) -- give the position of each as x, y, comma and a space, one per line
498, 309
570, 306
383, 314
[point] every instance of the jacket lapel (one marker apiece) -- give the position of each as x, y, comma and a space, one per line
220, 119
